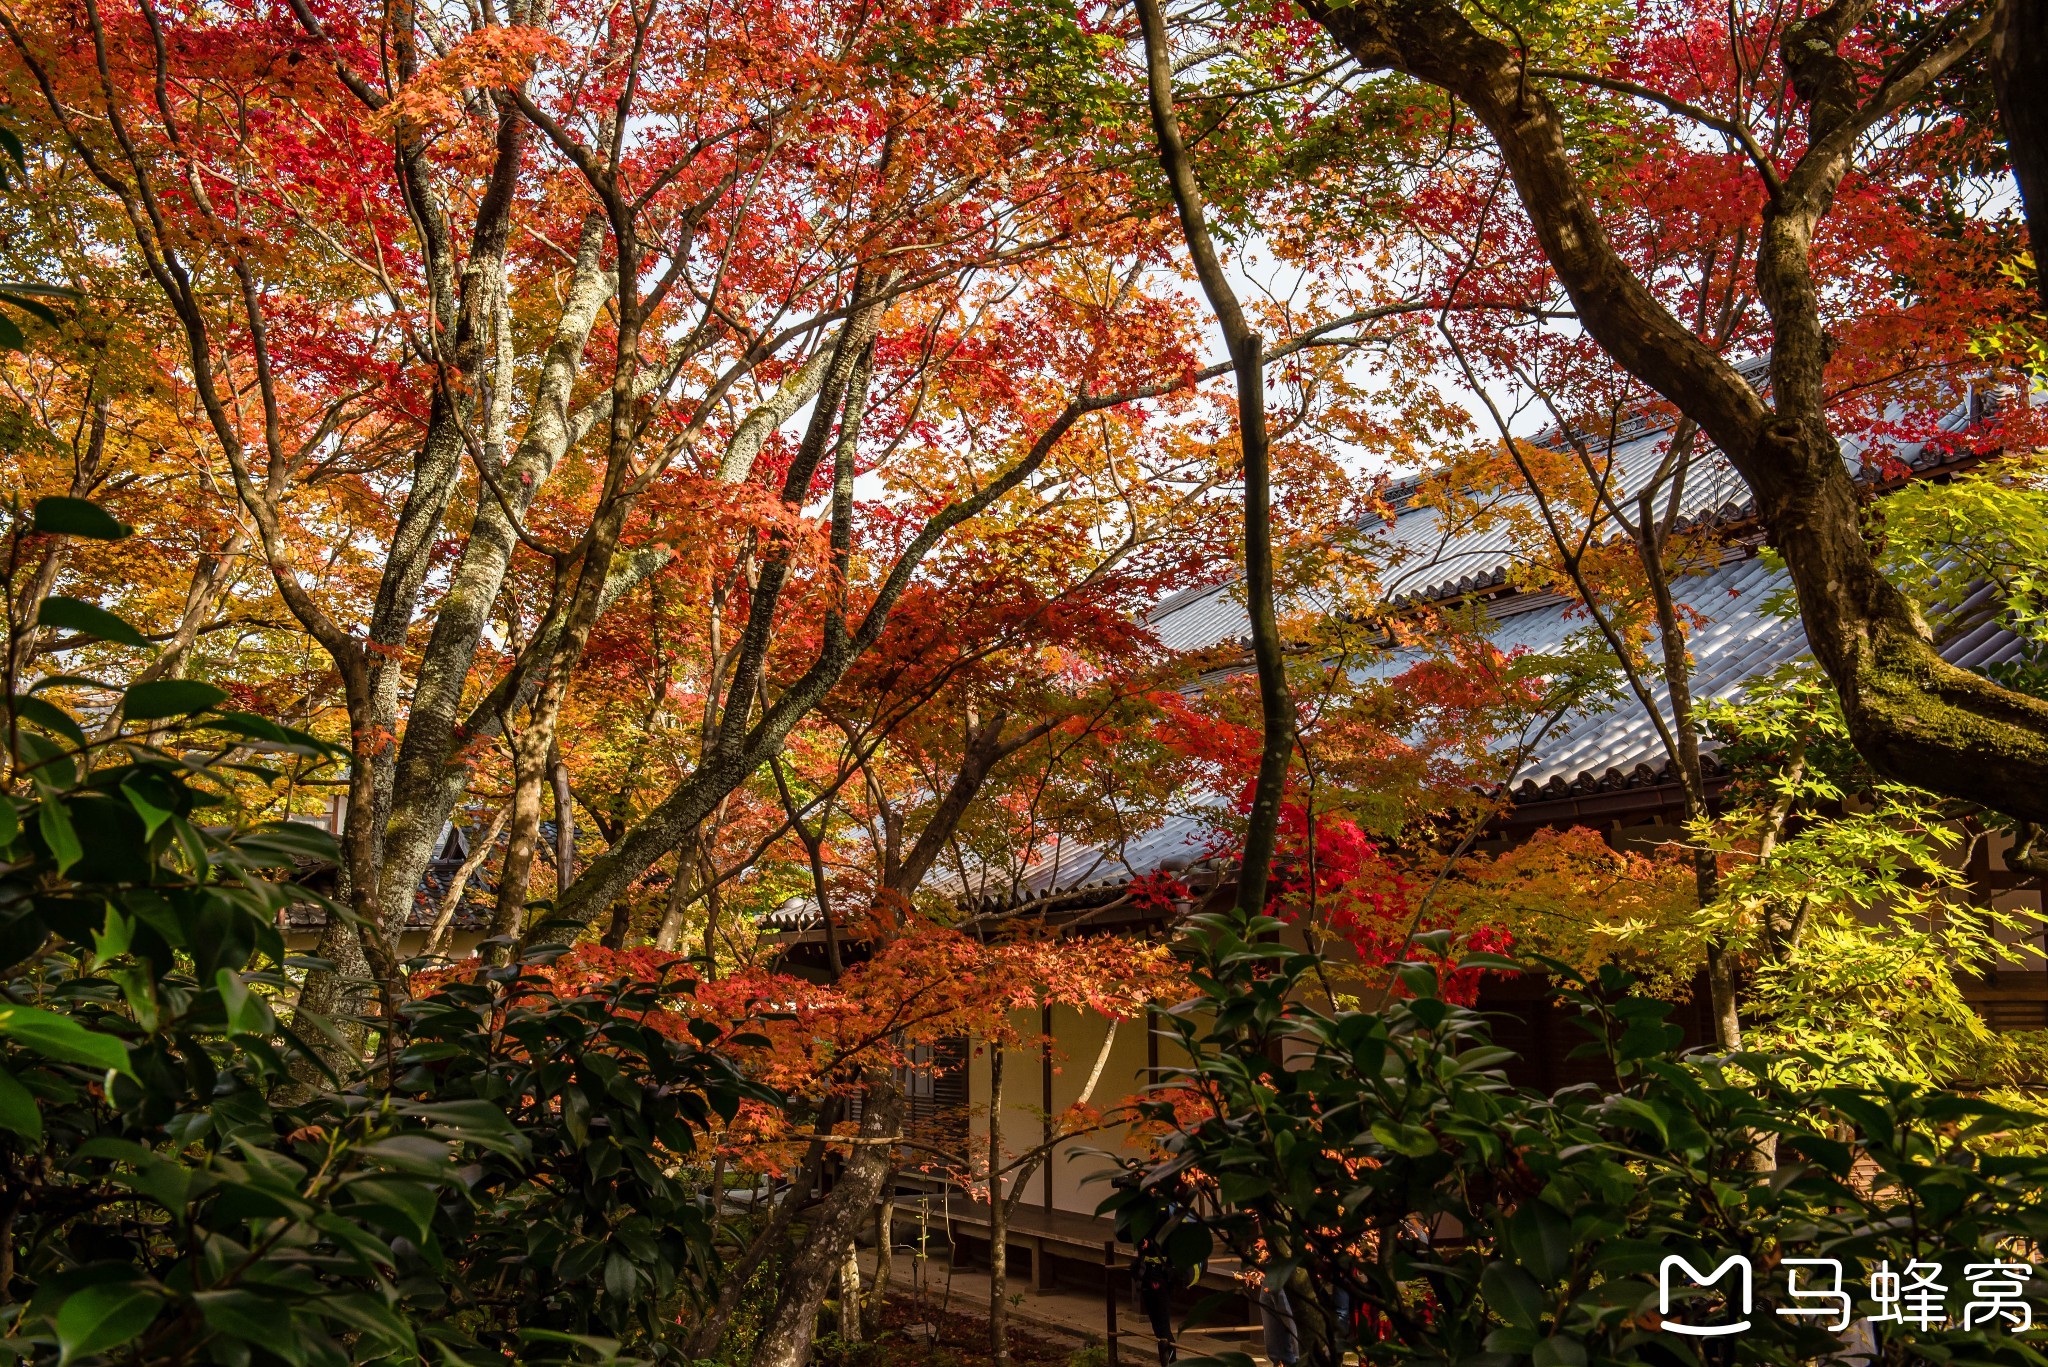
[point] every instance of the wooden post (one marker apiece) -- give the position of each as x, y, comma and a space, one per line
998, 1235
1045, 1101
1109, 1298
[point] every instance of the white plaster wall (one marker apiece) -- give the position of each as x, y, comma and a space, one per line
1078, 1037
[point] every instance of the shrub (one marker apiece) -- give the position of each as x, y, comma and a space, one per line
1383, 1159
496, 1181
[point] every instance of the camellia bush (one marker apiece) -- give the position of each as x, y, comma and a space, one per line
1381, 1169
181, 1182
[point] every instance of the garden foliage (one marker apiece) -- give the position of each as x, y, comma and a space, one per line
179, 1180
1387, 1158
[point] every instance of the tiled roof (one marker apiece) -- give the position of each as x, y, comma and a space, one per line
1178, 843
1432, 559
1740, 636
1604, 749
477, 898
795, 913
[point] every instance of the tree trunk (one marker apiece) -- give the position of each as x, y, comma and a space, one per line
998, 1222
2019, 76
85, 478
1316, 1330
704, 1338
885, 1234
409, 836
786, 1339
565, 819
339, 996
486, 837
849, 1293
515, 876
621, 928
714, 908
1276, 706
1692, 775
1917, 718
1722, 999
431, 772
681, 888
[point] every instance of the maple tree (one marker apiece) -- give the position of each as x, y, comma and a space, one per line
969, 750
823, 1045
1409, 731
527, 426
1843, 894
954, 746
1578, 521
509, 404
1660, 165
741, 443
1803, 834
547, 1070
1941, 543
1816, 123
145, 909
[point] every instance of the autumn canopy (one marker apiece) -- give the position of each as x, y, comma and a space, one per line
619, 615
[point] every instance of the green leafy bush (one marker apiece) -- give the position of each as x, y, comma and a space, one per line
1385, 1156
592, 1229
497, 1179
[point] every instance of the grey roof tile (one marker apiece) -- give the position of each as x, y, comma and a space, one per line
1614, 745
1737, 640
1431, 561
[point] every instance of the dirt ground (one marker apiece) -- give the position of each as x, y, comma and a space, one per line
916, 1335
